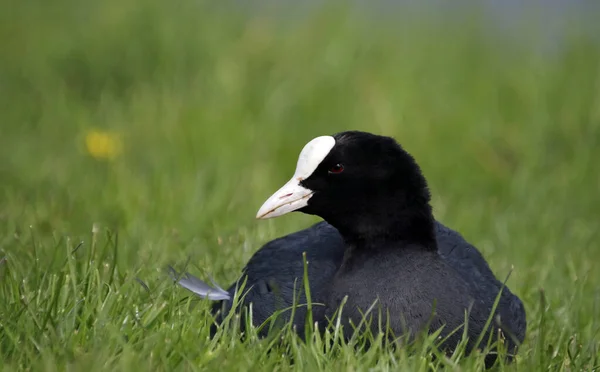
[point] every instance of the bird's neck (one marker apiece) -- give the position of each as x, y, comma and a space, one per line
388, 227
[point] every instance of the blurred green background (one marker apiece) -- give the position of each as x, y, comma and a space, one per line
208, 107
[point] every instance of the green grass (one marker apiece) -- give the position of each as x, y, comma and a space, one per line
213, 108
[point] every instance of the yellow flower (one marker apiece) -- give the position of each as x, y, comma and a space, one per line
103, 145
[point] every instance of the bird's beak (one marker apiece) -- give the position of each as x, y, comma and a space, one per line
293, 196
290, 197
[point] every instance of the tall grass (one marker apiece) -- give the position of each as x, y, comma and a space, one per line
211, 106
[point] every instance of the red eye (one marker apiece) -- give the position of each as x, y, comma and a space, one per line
338, 168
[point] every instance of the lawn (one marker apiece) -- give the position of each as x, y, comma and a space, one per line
134, 135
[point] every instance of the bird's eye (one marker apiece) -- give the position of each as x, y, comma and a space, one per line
338, 168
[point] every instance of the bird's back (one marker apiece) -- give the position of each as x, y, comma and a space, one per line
473, 268
277, 267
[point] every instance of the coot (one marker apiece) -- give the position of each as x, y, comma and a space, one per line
380, 242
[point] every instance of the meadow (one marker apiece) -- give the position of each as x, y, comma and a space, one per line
134, 135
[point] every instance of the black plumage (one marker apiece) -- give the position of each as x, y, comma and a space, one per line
379, 242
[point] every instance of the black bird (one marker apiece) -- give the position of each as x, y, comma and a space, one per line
380, 242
